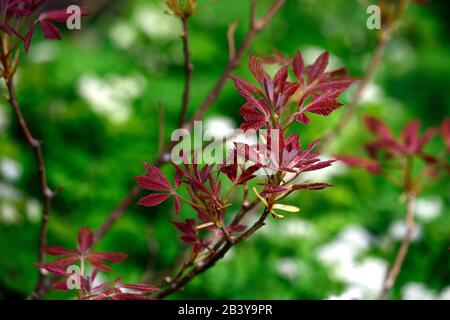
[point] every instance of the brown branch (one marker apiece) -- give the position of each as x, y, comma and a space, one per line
374, 63
403, 251
36, 145
117, 213
211, 261
187, 70
257, 27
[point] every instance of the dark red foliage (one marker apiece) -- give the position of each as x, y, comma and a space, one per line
277, 154
18, 20
154, 180
82, 253
385, 146
317, 90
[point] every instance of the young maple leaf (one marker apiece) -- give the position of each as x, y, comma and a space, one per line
81, 254
445, 131
410, 143
190, 234
154, 180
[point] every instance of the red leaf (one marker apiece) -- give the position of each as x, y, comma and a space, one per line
177, 203
368, 164
29, 37
60, 285
410, 136
247, 85
154, 180
113, 257
312, 186
85, 239
318, 68
154, 199
140, 287
59, 251
257, 70
55, 15
445, 131
246, 94
298, 66
378, 128
50, 31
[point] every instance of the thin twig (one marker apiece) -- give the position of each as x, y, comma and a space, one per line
45, 189
210, 262
187, 70
231, 41
161, 158
161, 127
210, 99
403, 251
374, 63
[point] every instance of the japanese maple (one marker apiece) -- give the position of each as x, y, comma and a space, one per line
87, 289
276, 163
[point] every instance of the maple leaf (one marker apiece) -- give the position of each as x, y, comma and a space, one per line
154, 180
81, 254
445, 131
190, 234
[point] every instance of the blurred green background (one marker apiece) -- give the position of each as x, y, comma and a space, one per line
93, 99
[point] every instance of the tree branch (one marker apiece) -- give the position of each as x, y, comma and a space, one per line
211, 261
187, 70
403, 251
162, 156
374, 63
36, 145
207, 103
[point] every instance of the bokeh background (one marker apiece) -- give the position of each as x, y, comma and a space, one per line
93, 98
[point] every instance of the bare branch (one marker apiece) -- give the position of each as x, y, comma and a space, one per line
403, 251
374, 63
187, 70
36, 145
231, 43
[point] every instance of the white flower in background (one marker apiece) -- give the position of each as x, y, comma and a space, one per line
123, 34
445, 294
42, 52
428, 208
3, 118
111, 97
341, 255
356, 236
369, 275
219, 127
298, 228
155, 23
372, 93
10, 193
10, 169
33, 210
351, 293
348, 244
397, 231
8, 214
288, 268
417, 291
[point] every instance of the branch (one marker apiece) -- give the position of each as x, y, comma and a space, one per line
47, 193
187, 70
211, 261
403, 251
257, 27
375, 61
161, 158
